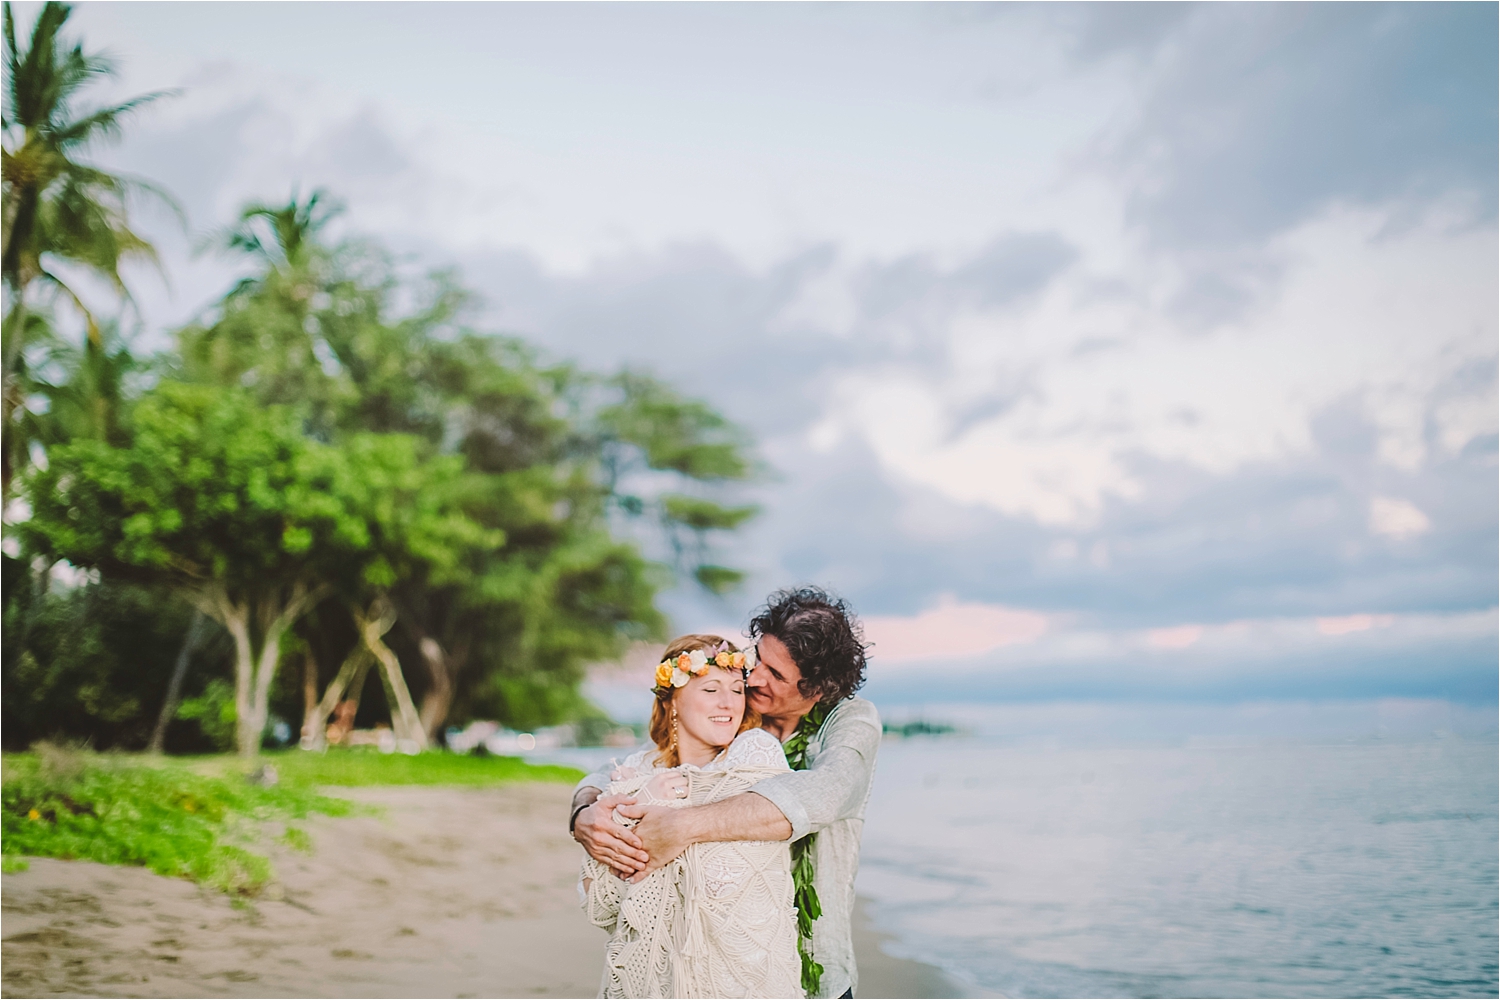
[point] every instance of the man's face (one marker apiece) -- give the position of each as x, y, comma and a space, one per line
773, 683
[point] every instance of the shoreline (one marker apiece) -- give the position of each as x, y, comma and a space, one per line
883, 976
457, 892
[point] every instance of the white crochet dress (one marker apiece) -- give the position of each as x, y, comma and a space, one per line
719, 920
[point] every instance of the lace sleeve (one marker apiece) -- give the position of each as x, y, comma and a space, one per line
756, 748
600, 892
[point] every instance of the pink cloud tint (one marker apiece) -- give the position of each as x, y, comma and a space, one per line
1177, 637
951, 630
1353, 623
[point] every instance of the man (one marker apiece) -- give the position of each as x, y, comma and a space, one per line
811, 660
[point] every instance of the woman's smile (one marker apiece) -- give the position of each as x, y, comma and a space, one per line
709, 710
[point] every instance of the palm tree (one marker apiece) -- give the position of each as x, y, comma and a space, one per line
55, 206
268, 331
91, 400
83, 392
282, 235
283, 239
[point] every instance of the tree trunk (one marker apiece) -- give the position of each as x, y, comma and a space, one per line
372, 625
273, 626
10, 391
309, 693
174, 687
402, 711
443, 667
350, 677
254, 670
22, 212
236, 618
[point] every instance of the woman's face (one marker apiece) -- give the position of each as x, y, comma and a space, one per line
710, 709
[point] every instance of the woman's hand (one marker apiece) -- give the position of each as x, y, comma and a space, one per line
606, 841
667, 786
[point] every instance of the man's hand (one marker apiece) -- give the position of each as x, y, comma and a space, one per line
662, 832
606, 841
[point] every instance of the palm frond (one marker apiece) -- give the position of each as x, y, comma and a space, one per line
120, 186
12, 58
54, 205
106, 122
72, 296
279, 234
38, 83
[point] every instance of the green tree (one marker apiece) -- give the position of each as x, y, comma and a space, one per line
650, 428
87, 391
218, 499
557, 460
266, 333
417, 530
55, 206
66, 391
557, 457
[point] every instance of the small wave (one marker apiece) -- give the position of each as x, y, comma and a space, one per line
1431, 817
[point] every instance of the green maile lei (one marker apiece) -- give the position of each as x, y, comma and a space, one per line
808, 907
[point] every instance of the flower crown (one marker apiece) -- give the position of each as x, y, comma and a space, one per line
675, 671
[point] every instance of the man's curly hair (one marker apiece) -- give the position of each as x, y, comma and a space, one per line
824, 637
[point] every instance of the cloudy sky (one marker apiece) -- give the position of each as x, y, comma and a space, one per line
1094, 351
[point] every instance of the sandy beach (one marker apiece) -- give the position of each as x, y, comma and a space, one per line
448, 893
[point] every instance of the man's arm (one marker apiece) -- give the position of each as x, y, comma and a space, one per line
665, 833
786, 807
833, 789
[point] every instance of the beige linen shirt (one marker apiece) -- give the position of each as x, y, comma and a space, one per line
828, 799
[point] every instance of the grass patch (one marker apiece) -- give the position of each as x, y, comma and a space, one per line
198, 818
362, 767
158, 814
297, 839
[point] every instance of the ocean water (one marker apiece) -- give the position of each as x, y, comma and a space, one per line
1237, 866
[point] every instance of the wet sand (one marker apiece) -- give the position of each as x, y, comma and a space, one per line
450, 893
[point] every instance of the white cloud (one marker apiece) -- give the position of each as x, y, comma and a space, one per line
1360, 312
1397, 518
1363, 309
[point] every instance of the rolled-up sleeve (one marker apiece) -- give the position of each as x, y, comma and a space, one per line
600, 778
837, 783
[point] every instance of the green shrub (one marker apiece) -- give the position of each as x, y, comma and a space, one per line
166, 817
214, 712
92, 663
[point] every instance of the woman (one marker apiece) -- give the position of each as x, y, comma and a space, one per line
718, 921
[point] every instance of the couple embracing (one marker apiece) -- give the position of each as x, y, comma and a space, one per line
722, 857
